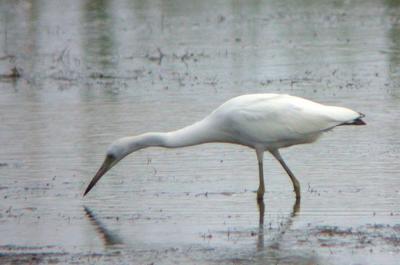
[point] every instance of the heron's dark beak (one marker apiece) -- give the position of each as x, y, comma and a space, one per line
108, 163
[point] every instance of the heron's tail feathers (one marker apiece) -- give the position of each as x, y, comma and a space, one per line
357, 121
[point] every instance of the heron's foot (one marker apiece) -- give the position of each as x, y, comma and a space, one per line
260, 195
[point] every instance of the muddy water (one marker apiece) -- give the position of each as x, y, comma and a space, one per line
103, 70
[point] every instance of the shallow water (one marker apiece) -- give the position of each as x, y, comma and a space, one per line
105, 70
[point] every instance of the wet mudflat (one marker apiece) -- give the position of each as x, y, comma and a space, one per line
72, 83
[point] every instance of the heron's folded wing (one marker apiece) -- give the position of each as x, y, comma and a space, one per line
282, 119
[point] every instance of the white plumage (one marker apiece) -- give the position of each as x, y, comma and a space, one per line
264, 122
276, 121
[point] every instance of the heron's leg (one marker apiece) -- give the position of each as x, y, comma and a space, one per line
261, 187
296, 184
261, 210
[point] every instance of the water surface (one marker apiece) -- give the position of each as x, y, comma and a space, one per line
104, 70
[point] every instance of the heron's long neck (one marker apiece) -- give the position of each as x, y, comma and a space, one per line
197, 133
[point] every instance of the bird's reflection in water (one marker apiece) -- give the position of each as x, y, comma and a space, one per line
285, 226
109, 239
275, 251
261, 210
270, 251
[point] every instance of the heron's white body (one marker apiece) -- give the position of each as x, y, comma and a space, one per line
265, 122
272, 121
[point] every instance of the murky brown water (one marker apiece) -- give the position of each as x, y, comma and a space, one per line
102, 70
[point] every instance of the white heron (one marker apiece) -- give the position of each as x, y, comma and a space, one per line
264, 122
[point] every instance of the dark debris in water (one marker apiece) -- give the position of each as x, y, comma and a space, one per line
13, 254
98, 75
24, 248
156, 58
14, 73
31, 258
335, 231
333, 236
225, 193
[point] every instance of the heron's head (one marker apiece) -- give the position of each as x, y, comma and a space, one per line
117, 150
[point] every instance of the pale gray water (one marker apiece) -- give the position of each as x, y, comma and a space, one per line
93, 71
